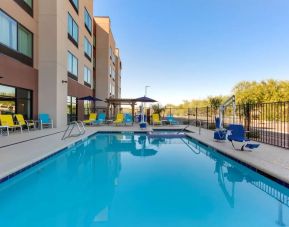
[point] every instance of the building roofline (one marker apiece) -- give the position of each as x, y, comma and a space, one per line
102, 17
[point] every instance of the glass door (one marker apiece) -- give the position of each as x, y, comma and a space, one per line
71, 109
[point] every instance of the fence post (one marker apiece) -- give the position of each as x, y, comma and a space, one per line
196, 116
188, 116
207, 117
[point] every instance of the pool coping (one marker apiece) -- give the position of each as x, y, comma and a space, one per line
256, 168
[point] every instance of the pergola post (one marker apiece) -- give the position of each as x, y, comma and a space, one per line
132, 110
107, 110
118, 102
114, 110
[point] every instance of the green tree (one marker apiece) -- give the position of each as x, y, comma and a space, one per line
158, 109
259, 92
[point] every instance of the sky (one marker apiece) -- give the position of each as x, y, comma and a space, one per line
191, 49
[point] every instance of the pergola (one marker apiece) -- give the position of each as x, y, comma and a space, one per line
118, 102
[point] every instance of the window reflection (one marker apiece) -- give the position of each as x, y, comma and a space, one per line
71, 109
15, 100
6, 91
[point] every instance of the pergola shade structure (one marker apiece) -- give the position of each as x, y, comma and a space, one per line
131, 102
118, 102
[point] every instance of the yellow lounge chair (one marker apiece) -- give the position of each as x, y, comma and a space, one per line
92, 118
156, 119
7, 120
119, 119
22, 122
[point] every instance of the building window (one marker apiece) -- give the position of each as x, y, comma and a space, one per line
71, 109
29, 3
8, 31
110, 53
87, 21
113, 58
26, 5
15, 40
75, 4
24, 41
72, 65
87, 107
87, 76
112, 90
72, 30
113, 74
87, 49
15, 100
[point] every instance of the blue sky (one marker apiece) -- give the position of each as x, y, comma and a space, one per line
190, 49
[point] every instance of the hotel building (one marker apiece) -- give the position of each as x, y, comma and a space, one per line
47, 58
108, 66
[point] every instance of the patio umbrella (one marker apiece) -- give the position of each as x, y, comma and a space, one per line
144, 99
90, 98
144, 152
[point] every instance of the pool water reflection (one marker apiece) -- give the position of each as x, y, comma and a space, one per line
132, 180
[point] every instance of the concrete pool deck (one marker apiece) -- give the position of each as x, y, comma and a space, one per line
271, 160
18, 151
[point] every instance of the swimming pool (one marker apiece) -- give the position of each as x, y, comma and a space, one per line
130, 179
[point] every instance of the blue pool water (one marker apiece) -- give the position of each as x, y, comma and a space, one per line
125, 180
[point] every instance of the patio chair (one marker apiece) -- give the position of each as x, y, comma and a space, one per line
156, 119
100, 119
119, 119
28, 123
171, 119
237, 133
45, 120
91, 119
128, 119
7, 121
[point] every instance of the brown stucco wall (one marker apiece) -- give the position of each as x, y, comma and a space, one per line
78, 90
17, 74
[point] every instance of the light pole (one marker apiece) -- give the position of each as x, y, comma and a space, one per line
143, 104
146, 90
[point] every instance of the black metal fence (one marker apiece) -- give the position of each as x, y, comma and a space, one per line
265, 122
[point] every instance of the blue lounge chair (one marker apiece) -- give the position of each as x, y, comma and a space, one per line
128, 119
220, 133
100, 120
45, 120
171, 119
237, 133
